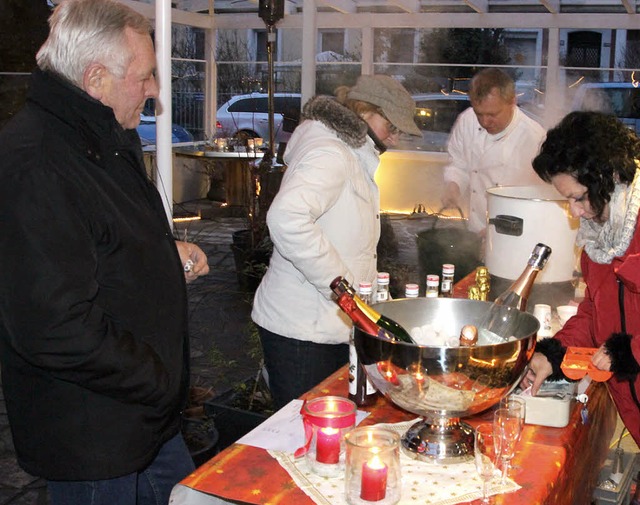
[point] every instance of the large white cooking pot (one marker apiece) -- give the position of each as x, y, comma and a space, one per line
518, 217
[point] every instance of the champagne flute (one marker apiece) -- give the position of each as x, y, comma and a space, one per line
486, 454
516, 404
507, 426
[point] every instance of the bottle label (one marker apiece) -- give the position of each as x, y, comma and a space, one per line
382, 296
354, 370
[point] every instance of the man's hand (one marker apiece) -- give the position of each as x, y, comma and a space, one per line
451, 195
194, 260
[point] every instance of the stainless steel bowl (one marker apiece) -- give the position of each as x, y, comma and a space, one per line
442, 384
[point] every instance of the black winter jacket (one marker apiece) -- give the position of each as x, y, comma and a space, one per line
93, 333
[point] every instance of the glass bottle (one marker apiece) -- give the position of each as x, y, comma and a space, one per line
361, 391
433, 283
376, 321
446, 285
501, 319
360, 319
365, 291
411, 290
382, 294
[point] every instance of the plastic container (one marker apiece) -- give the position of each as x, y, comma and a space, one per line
577, 363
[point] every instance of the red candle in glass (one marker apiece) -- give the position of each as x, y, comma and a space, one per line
374, 480
328, 446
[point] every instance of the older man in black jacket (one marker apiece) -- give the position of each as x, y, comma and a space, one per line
93, 309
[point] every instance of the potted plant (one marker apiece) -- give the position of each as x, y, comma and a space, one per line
246, 404
198, 428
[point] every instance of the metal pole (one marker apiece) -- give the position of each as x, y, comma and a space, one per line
271, 37
164, 175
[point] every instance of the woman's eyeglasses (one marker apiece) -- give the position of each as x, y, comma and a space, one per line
393, 130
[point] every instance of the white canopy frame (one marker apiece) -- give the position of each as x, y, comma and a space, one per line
314, 15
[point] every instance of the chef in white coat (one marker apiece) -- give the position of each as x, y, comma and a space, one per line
492, 143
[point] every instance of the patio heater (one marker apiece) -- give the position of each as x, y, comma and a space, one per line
270, 11
269, 171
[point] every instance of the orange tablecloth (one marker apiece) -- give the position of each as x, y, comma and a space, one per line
554, 466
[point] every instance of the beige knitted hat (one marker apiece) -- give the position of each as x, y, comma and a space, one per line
388, 94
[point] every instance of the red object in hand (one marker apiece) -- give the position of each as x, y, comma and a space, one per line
374, 480
328, 446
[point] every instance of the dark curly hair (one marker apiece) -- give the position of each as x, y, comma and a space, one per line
596, 149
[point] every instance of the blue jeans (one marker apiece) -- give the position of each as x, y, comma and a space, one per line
151, 486
295, 366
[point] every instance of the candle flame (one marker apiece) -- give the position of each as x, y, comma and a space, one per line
375, 463
329, 431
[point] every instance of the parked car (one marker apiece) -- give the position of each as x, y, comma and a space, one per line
248, 116
147, 131
619, 98
435, 115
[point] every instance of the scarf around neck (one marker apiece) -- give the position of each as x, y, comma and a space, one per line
604, 241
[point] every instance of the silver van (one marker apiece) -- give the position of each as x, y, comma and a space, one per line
619, 98
247, 116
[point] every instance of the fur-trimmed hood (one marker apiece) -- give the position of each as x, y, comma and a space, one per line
344, 122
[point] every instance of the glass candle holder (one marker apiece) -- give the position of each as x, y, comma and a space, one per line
326, 421
222, 144
372, 466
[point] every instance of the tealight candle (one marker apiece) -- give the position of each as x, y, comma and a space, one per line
373, 466
328, 445
326, 421
374, 480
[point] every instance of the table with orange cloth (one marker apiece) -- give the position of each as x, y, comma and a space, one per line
554, 466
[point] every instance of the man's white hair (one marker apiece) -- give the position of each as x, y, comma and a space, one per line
83, 32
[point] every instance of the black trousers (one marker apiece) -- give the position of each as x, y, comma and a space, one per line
295, 366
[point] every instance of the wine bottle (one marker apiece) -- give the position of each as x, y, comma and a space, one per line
501, 320
340, 287
361, 391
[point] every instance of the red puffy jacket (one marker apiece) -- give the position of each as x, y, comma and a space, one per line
598, 318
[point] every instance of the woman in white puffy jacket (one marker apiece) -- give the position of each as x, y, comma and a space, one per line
325, 222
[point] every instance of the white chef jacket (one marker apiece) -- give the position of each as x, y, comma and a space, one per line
479, 161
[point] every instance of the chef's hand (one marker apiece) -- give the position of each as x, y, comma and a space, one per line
451, 195
539, 370
601, 359
193, 259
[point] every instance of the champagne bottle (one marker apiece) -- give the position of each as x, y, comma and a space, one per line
341, 287
501, 320
360, 319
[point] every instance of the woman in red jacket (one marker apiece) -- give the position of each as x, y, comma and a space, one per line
592, 160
